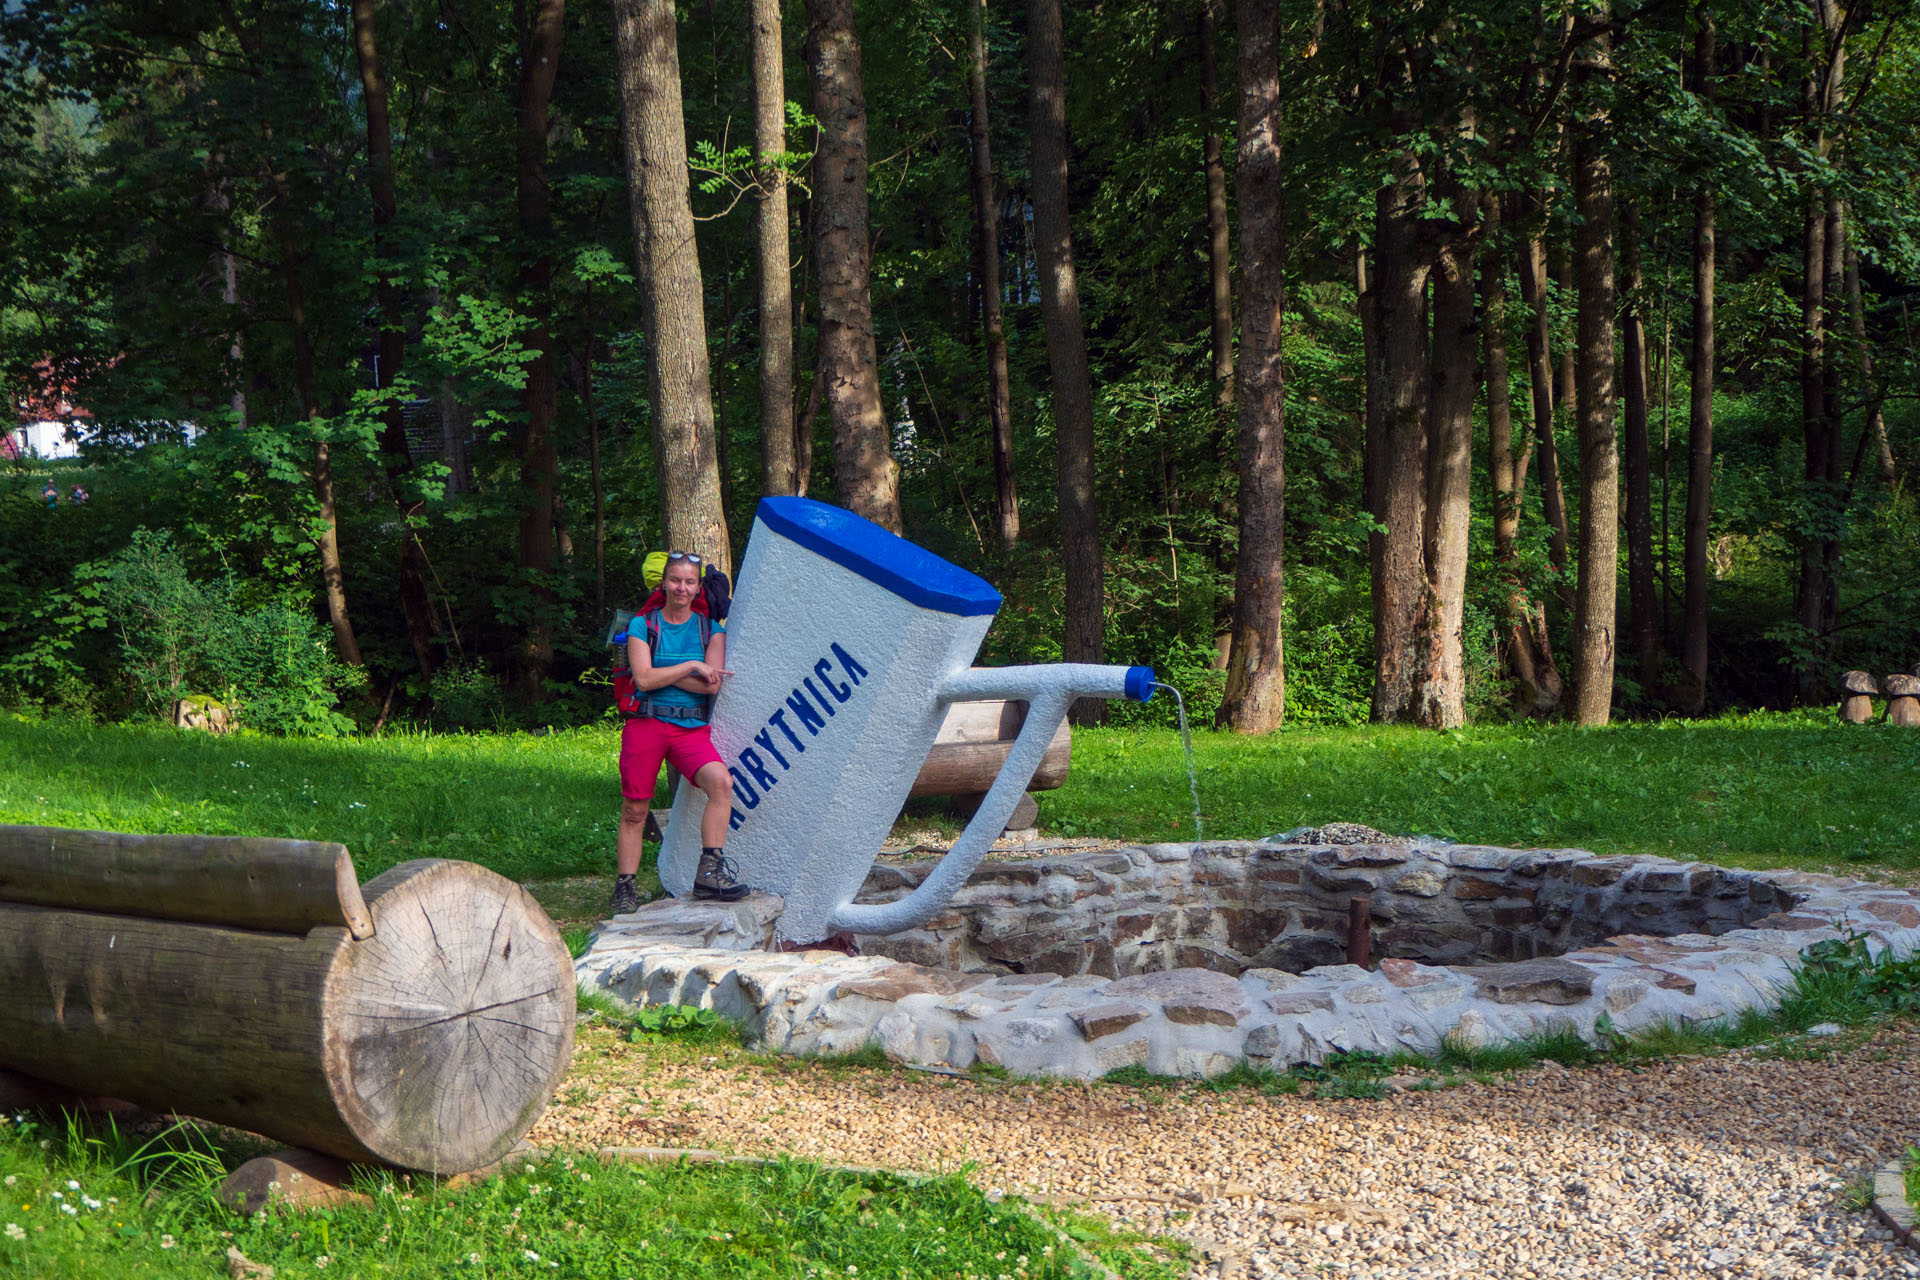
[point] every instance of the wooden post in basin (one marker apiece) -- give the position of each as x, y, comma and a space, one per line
421, 1021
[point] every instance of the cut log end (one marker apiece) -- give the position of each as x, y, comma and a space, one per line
448, 1030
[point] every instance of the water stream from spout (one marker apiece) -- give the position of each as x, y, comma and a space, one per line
1186, 742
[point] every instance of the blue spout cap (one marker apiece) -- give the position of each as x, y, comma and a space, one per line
1139, 684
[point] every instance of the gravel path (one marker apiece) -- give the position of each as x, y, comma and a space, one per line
1720, 1166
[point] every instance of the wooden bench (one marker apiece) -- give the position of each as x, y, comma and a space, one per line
972, 746
423, 1020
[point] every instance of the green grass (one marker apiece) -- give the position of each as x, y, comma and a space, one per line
1757, 790
1912, 1165
1749, 791
82, 1204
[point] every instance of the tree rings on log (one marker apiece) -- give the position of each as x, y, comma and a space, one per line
449, 1030
433, 1045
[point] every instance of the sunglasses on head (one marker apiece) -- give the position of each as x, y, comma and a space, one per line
682, 555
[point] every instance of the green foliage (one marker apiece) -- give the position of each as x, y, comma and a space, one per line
466, 696
150, 143
268, 660
686, 1021
1843, 973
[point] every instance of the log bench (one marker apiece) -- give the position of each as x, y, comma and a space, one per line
972, 746
422, 1020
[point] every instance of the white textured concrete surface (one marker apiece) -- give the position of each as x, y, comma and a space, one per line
1199, 1022
833, 704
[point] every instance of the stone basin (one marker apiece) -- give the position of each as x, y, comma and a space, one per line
1188, 959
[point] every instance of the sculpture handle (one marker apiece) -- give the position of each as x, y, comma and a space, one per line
1049, 691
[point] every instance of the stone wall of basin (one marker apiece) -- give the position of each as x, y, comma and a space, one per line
1231, 907
1198, 1020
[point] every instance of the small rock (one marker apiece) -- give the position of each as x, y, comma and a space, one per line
292, 1178
1825, 1029
241, 1267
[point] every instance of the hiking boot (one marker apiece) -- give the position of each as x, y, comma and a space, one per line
714, 878
626, 898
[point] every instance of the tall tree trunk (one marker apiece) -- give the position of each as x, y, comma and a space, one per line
1566, 383
1529, 651
1821, 253
1084, 637
539, 462
332, 574
1810, 594
864, 473
1219, 262
779, 465
1255, 700
1692, 695
1440, 695
809, 410
1598, 584
986, 221
226, 265
1642, 601
1397, 443
679, 392
1876, 429
395, 458
1540, 377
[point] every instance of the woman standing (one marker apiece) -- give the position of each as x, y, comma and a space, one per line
677, 657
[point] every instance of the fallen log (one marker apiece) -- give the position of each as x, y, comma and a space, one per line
972, 746
432, 1042
285, 886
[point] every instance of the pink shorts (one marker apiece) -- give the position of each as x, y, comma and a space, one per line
645, 743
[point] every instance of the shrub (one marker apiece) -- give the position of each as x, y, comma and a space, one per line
466, 696
178, 635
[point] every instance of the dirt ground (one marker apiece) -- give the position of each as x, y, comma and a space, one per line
1747, 1164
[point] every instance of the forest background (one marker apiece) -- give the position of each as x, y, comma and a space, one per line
1562, 356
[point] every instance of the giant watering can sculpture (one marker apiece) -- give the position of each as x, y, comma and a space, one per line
847, 643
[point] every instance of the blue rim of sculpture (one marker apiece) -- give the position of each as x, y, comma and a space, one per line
882, 557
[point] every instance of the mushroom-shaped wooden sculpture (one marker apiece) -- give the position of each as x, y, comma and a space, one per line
1860, 687
1903, 699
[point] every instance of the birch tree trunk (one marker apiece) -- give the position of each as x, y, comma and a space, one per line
1255, 700
679, 390
1441, 691
1084, 637
779, 456
986, 221
864, 473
